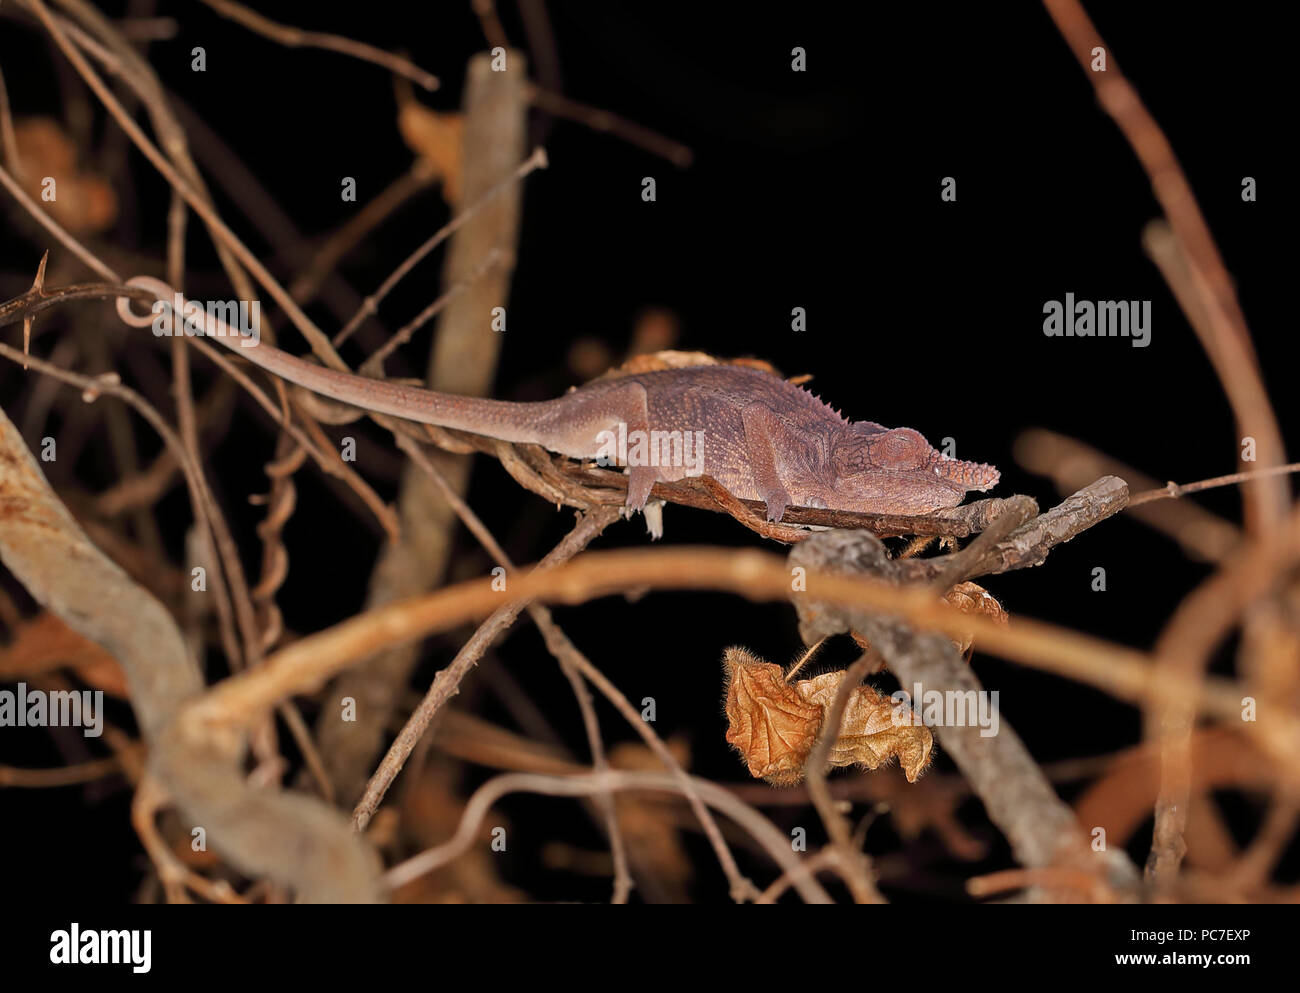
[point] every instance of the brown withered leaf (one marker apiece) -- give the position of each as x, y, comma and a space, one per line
673, 359
652, 840
437, 138
769, 723
83, 202
774, 723
868, 735
971, 598
431, 810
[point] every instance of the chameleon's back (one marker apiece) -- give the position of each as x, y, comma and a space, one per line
696, 397
705, 404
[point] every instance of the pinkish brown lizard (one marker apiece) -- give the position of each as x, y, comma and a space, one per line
759, 436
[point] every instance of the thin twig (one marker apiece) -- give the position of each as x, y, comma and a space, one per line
568, 654
1070, 463
325, 260
371, 303
854, 865
292, 37
1182, 489
8, 140
68, 775
1188, 257
1184, 649
609, 123
35, 300
447, 682
42, 217
758, 826
374, 364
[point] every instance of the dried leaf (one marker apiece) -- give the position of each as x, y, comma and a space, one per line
431, 812
971, 598
774, 723
82, 201
868, 734
655, 330
770, 724
652, 839
673, 359
438, 139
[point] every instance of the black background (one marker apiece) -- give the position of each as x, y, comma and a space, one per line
817, 189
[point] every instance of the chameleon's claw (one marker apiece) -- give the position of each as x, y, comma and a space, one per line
777, 501
641, 480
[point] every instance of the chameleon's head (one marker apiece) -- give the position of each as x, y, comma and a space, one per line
896, 471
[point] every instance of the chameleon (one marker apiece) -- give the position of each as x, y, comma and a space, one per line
760, 436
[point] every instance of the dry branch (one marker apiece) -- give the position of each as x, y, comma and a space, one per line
463, 360
1188, 258
1070, 464
775, 843
289, 838
447, 683
1019, 799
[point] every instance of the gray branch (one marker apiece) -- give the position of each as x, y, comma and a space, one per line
1019, 799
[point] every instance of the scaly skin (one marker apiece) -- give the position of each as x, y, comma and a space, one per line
763, 437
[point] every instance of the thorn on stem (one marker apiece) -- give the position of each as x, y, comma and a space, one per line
38, 289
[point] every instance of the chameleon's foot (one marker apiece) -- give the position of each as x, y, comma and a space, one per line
777, 500
641, 479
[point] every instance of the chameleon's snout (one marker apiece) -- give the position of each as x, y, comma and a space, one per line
967, 475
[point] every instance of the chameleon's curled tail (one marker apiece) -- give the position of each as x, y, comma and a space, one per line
513, 422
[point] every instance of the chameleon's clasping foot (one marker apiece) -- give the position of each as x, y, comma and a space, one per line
640, 481
777, 500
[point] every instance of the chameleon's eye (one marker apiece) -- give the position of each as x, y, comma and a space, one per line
901, 448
